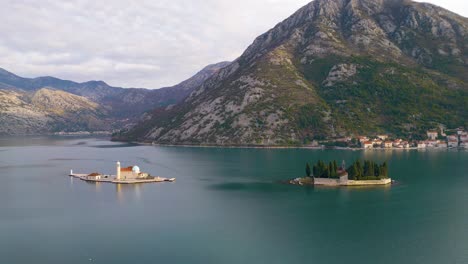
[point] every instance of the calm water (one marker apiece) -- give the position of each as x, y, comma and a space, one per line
226, 207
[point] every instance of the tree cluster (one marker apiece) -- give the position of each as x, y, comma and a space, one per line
323, 170
368, 170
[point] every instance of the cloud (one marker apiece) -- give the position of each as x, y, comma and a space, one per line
135, 43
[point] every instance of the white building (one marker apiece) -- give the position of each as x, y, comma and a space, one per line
388, 144
442, 144
383, 137
453, 143
363, 139
94, 176
367, 145
432, 134
421, 145
130, 173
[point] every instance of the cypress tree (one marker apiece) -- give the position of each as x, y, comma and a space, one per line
308, 170
371, 169
366, 168
360, 170
376, 169
356, 171
385, 170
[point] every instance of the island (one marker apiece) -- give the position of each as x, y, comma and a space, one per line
128, 175
365, 173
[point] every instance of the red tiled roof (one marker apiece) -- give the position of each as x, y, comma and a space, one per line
127, 169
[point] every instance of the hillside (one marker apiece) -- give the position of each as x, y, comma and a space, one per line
47, 104
334, 68
46, 111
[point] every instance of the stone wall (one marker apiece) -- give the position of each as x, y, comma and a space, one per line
376, 182
343, 181
327, 181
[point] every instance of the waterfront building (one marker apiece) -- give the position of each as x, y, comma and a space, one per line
388, 144
383, 137
453, 143
94, 176
405, 144
463, 138
442, 144
452, 138
432, 134
130, 173
367, 145
363, 139
431, 143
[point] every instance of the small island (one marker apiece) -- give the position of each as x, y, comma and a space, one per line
128, 175
358, 174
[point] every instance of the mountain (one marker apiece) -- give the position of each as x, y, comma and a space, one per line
47, 104
334, 68
48, 110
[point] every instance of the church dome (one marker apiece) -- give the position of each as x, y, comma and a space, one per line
136, 169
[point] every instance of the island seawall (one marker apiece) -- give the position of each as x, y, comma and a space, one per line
346, 182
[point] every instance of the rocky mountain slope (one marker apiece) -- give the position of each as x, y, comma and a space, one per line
26, 107
334, 68
48, 110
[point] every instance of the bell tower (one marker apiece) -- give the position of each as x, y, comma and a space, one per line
118, 170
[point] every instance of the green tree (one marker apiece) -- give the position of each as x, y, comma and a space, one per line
335, 168
371, 168
366, 168
327, 172
356, 171
384, 170
376, 170
308, 170
360, 170
352, 171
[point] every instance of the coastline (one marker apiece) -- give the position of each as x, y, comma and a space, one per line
321, 147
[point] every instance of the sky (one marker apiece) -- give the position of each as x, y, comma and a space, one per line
141, 43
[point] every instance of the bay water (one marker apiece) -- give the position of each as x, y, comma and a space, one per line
228, 205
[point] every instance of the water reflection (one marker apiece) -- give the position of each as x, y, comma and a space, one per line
125, 191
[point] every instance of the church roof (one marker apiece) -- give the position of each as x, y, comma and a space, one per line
127, 169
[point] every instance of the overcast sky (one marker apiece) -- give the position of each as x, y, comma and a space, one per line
143, 43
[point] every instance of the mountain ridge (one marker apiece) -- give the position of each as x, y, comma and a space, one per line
333, 68
103, 107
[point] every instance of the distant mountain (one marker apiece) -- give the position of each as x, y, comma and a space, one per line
334, 68
48, 110
47, 104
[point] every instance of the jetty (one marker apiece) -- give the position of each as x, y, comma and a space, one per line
128, 175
